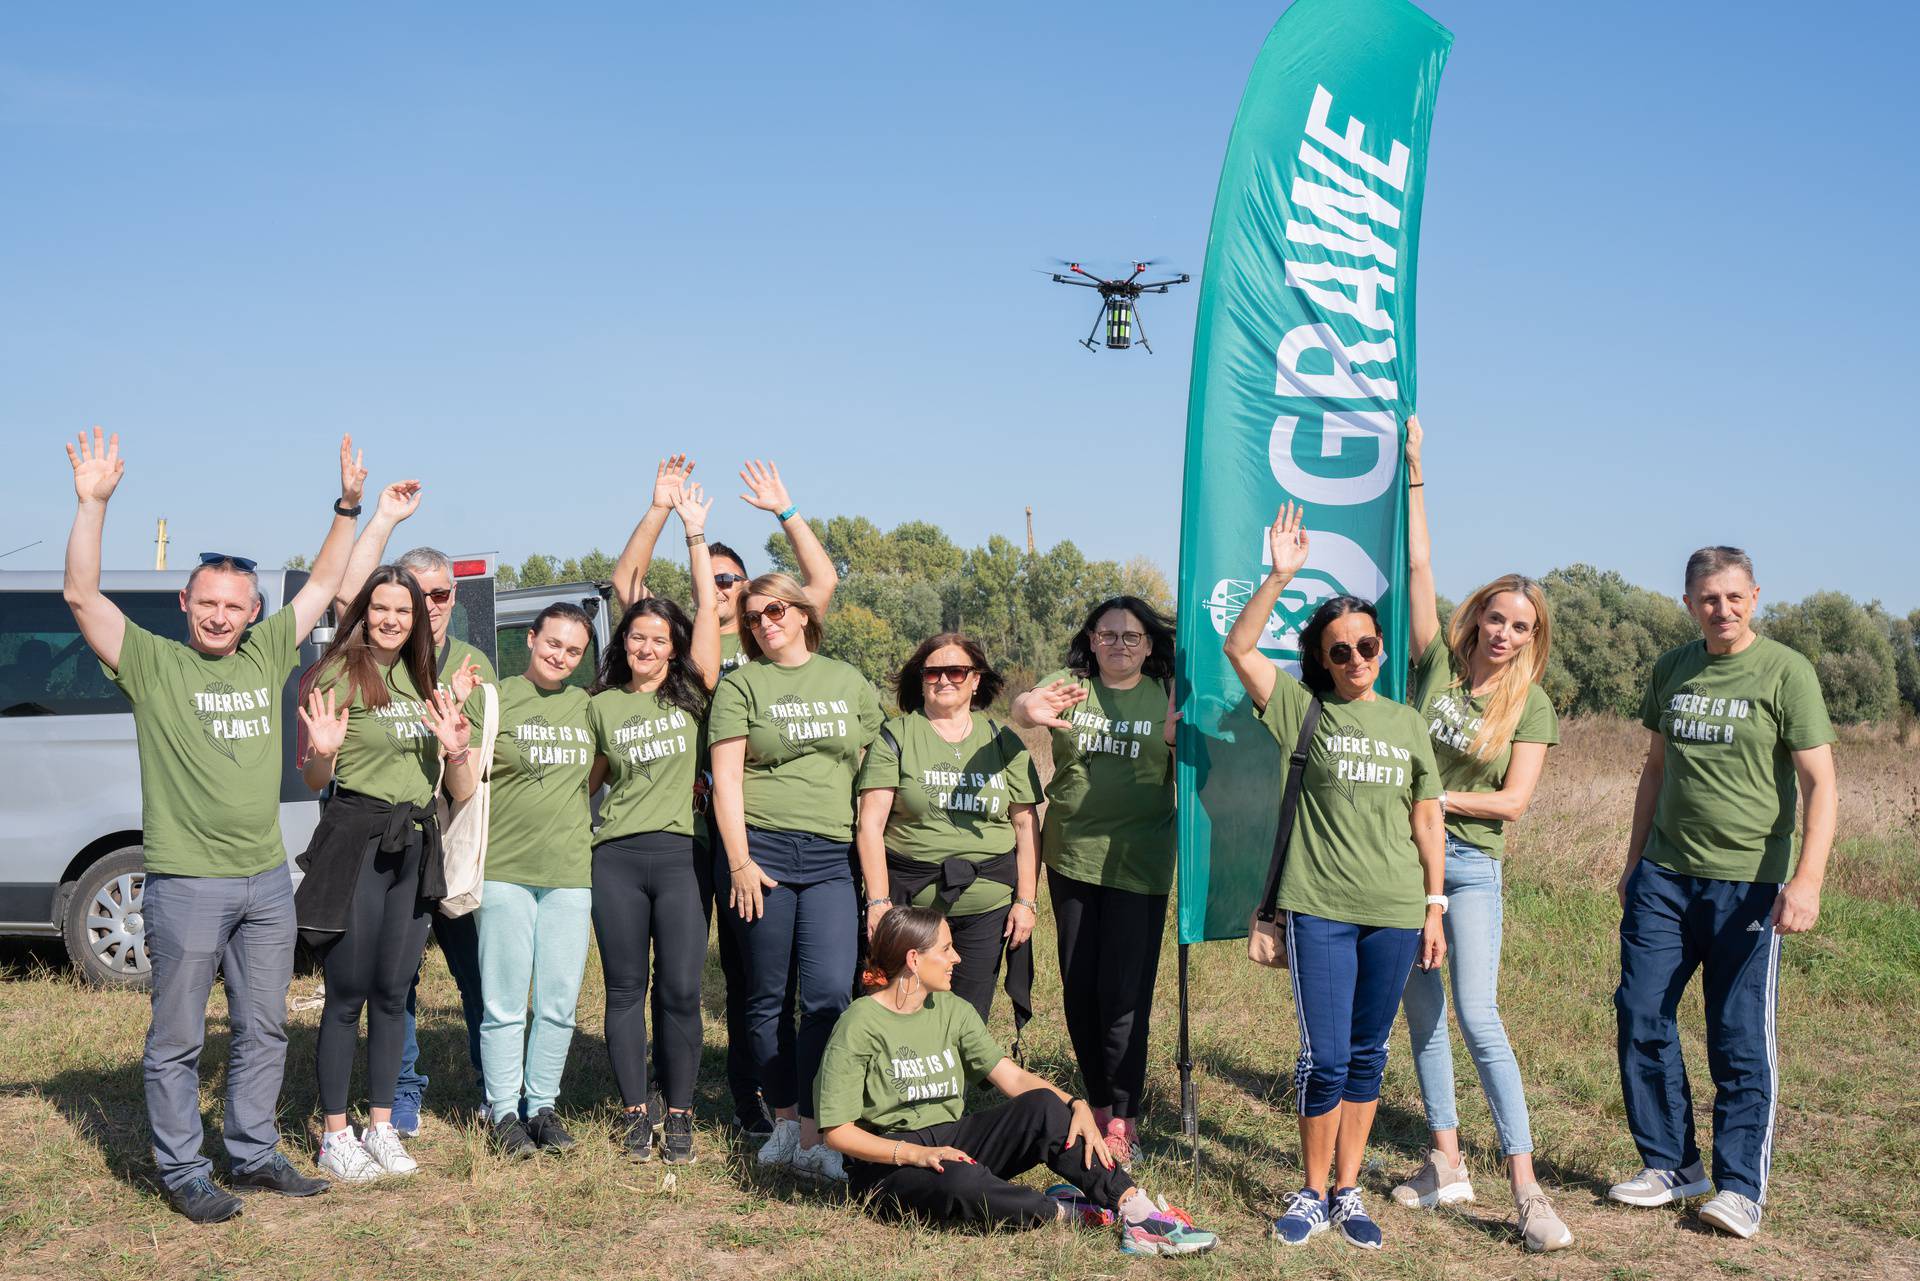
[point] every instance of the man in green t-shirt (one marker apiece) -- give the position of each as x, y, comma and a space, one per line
458, 937
1738, 729
818, 578
217, 894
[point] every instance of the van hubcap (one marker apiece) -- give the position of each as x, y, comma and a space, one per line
117, 927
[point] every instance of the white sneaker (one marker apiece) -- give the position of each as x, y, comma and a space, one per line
1731, 1212
820, 1162
1662, 1187
382, 1142
343, 1156
782, 1147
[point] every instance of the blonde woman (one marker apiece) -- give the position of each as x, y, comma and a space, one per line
1477, 687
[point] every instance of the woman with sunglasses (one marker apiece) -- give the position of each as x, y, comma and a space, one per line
1108, 844
946, 816
1363, 877
787, 730
1477, 685
380, 730
766, 491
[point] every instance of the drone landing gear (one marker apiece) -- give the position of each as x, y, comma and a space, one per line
1098, 320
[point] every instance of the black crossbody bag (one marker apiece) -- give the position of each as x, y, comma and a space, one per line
1267, 932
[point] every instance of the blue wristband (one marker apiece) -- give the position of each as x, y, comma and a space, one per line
787, 515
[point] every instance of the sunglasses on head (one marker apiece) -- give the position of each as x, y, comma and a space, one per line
724, 581
775, 611
955, 674
1342, 653
240, 563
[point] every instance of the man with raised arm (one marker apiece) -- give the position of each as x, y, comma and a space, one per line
768, 492
1712, 884
207, 719
458, 937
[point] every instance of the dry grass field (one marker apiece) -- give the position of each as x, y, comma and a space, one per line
77, 1197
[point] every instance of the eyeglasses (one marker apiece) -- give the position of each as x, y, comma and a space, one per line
240, 563
956, 674
774, 612
724, 581
439, 595
1126, 640
1342, 653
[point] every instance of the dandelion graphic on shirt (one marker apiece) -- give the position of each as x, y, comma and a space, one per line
926, 1076
229, 715
643, 740
543, 745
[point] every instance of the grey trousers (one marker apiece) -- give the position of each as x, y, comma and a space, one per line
243, 926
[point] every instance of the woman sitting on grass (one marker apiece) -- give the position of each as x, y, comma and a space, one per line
892, 1087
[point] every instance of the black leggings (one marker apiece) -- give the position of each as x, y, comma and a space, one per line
645, 893
980, 940
371, 965
1109, 957
1005, 1142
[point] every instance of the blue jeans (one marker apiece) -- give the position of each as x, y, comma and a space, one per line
1473, 923
1346, 989
459, 940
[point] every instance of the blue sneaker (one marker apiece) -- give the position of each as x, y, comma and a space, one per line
1351, 1218
406, 1115
1306, 1216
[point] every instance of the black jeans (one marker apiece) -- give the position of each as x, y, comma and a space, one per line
1004, 1142
1109, 957
646, 914
371, 966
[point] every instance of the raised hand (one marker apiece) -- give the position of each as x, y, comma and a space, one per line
765, 489
399, 500
668, 477
1287, 541
692, 511
1414, 438
326, 725
448, 723
1046, 703
97, 467
353, 473
465, 679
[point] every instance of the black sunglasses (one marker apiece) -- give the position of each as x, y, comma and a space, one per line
439, 595
1342, 653
957, 673
240, 563
775, 610
724, 581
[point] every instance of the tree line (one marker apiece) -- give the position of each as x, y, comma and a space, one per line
901, 585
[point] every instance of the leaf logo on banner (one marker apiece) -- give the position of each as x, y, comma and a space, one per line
204, 710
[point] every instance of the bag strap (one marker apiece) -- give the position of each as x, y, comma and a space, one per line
489, 728
1289, 806
893, 744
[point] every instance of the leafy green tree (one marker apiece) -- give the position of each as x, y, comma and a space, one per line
1606, 635
1848, 646
859, 636
1903, 634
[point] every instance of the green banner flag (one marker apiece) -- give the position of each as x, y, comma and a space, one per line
1303, 376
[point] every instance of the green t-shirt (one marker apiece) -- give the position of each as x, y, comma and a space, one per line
389, 753
1352, 856
539, 828
651, 748
731, 655
1453, 716
888, 1071
805, 727
208, 731
1110, 803
1731, 723
952, 799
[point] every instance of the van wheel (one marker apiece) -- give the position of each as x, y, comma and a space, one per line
105, 929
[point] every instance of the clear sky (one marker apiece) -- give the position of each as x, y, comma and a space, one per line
522, 251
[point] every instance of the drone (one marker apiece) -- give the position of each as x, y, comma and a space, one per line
1117, 303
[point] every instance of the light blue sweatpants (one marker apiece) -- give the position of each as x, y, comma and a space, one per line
530, 937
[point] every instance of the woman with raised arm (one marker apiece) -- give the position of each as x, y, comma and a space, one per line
1363, 876
1477, 686
893, 1085
946, 817
1108, 844
649, 705
385, 735
787, 730
536, 903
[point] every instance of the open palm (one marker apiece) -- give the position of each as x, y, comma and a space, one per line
97, 466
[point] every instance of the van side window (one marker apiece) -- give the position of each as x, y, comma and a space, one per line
46, 668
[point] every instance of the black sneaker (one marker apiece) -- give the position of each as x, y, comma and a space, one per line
203, 1201
544, 1128
276, 1174
510, 1138
677, 1149
752, 1120
635, 1134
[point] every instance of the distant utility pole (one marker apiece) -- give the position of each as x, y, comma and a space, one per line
160, 546
1029, 529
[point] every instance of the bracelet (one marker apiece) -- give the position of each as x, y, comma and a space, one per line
733, 870
696, 540
348, 512
459, 757
1443, 804
787, 515
1439, 901
1416, 484
897, 1145
876, 902
1032, 905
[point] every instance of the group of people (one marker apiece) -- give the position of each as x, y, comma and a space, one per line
746, 777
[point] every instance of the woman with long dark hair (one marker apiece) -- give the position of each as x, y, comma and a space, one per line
1108, 843
382, 733
946, 815
893, 1086
648, 706
1363, 878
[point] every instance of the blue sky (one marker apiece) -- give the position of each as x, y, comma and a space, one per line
521, 253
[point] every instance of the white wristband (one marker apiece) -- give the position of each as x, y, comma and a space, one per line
1439, 901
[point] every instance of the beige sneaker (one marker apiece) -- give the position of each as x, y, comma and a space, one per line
1438, 1182
1540, 1227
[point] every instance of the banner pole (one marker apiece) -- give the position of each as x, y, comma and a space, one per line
1189, 1101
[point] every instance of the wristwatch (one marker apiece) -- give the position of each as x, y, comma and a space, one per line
876, 902
1032, 905
1439, 901
349, 512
